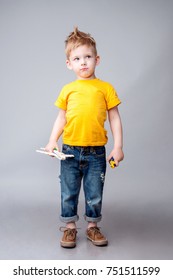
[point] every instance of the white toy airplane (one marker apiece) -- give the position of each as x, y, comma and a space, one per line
55, 153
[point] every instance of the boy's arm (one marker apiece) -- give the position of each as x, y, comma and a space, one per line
56, 131
116, 128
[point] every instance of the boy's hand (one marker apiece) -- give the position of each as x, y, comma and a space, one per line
51, 146
117, 154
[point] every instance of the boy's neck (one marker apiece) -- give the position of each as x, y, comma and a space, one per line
86, 79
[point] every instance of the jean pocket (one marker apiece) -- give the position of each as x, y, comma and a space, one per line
66, 148
99, 151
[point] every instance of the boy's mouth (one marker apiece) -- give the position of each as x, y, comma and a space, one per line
84, 69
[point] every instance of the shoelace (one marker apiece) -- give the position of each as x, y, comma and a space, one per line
96, 230
69, 231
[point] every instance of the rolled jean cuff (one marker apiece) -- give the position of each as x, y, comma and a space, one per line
93, 220
69, 219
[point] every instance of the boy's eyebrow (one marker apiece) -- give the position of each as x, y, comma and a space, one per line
88, 53
76, 56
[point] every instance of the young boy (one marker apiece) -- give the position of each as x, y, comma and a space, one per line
83, 105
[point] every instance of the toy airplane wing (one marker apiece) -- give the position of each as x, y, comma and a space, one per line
54, 153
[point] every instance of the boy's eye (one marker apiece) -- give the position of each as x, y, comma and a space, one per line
88, 56
76, 58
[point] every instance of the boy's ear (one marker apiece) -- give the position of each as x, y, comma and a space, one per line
68, 64
97, 59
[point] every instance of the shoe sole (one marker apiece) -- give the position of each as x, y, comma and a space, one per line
98, 243
67, 244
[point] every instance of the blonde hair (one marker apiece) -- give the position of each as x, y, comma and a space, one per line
78, 38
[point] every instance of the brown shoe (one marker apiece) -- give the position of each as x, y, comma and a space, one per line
69, 237
94, 234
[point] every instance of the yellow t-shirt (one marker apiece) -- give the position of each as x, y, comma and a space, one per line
86, 103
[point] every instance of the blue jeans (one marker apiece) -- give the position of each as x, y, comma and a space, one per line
89, 165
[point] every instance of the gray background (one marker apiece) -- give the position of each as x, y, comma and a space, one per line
135, 44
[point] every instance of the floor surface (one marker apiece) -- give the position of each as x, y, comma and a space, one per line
32, 232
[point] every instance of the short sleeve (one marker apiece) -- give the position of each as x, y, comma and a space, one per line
112, 98
61, 101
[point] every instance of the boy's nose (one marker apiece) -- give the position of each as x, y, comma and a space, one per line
83, 62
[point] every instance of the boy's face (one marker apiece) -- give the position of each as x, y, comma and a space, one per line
83, 61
